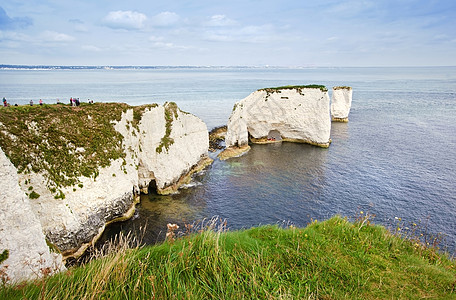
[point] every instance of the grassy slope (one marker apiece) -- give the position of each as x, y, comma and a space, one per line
330, 260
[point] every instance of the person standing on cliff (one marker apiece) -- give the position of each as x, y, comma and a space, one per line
31, 102
4, 102
41, 102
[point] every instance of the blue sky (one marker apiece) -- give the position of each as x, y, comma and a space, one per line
213, 32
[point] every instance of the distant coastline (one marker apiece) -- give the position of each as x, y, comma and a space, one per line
54, 67
57, 67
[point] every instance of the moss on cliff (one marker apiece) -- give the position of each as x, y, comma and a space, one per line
170, 114
64, 142
342, 88
296, 87
138, 111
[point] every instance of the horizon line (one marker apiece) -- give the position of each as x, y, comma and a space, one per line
43, 66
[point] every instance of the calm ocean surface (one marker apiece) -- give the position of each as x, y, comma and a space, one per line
396, 158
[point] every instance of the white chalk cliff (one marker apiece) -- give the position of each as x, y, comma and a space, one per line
297, 114
341, 103
166, 146
20, 232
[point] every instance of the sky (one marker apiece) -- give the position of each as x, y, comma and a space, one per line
288, 33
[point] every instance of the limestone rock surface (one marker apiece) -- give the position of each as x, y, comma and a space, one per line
341, 103
21, 232
190, 144
295, 114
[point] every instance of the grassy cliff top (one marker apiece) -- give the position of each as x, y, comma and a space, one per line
61, 141
334, 259
342, 88
295, 87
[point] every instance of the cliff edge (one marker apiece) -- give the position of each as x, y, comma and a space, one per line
80, 168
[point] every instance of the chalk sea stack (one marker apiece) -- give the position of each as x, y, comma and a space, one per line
290, 113
341, 103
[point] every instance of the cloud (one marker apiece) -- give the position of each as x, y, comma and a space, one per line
220, 21
158, 42
246, 34
52, 36
129, 20
14, 36
333, 39
165, 19
91, 48
155, 38
13, 23
79, 25
75, 21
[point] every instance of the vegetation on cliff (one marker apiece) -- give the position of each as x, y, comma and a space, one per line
342, 88
64, 142
334, 259
170, 114
296, 87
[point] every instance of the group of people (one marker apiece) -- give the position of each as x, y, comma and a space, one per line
76, 102
31, 102
73, 102
5, 103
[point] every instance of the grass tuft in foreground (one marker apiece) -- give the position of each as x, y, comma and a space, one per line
334, 259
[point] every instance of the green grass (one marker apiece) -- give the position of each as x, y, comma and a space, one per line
342, 88
297, 87
334, 259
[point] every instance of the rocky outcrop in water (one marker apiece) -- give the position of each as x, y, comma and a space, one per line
292, 113
341, 103
71, 202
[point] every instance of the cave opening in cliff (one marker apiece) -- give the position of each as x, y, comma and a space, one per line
274, 135
152, 189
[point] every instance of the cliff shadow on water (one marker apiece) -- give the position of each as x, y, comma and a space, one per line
155, 211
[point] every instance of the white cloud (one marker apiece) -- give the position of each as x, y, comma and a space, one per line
220, 21
129, 20
14, 36
169, 46
91, 48
165, 19
81, 28
52, 36
246, 34
155, 38
333, 38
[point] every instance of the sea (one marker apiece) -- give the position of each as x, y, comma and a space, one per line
395, 160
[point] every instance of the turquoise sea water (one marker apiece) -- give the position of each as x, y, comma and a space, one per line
396, 158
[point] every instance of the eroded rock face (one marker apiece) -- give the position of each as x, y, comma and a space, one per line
341, 103
292, 113
190, 144
163, 146
21, 232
